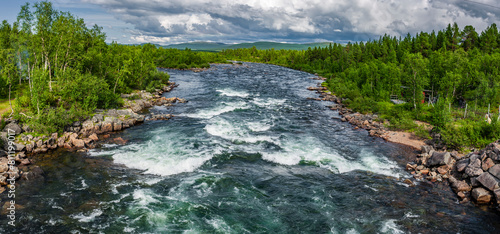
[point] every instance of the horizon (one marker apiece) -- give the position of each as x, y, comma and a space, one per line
235, 22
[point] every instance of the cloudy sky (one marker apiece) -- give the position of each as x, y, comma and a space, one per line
299, 21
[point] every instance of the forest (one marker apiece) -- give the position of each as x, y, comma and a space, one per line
55, 70
450, 79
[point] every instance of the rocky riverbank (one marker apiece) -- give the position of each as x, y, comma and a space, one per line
473, 177
15, 162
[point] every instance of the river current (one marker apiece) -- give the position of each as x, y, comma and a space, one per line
249, 153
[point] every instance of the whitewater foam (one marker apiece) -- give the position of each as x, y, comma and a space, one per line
310, 149
234, 132
222, 108
87, 218
233, 93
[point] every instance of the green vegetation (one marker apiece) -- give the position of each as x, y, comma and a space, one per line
436, 74
58, 71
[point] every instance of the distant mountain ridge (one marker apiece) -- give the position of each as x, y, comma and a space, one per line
261, 45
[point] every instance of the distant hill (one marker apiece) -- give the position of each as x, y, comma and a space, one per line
262, 45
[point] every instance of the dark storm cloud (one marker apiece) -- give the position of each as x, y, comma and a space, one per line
294, 21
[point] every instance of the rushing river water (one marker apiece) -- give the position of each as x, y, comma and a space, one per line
249, 153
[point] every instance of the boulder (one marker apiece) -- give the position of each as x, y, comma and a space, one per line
462, 164
19, 147
487, 164
120, 141
29, 147
13, 127
137, 106
497, 195
107, 126
473, 171
4, 166
481, 195
97, 118
459, 185
39, 143
426, 149
112, 112
443, 169
439, 158
475, 161
60, 141
78, 143
495, 147
117, 125
495, 171
94, 137
87, 141
488, 181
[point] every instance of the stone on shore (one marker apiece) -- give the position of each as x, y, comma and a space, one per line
488, 181
94, 137
495, 171
439, 158
459, 185
13, 127
481, 195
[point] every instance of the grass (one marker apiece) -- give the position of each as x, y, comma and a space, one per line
4, 106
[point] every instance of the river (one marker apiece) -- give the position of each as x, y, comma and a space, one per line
249, 153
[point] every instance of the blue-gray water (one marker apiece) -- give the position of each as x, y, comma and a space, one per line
249, 153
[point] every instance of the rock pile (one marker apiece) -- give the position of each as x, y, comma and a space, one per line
359, 120
474, 176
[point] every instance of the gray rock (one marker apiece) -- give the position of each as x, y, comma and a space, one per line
3, 153
462, 164
497, 195
77, 124
20, 147
439, 158
481, 195
495, 171
112, 112
473, 171
488, 181
474, 161
459, 185
495, 147
13, 127
97, 118
425, 149
123, 112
